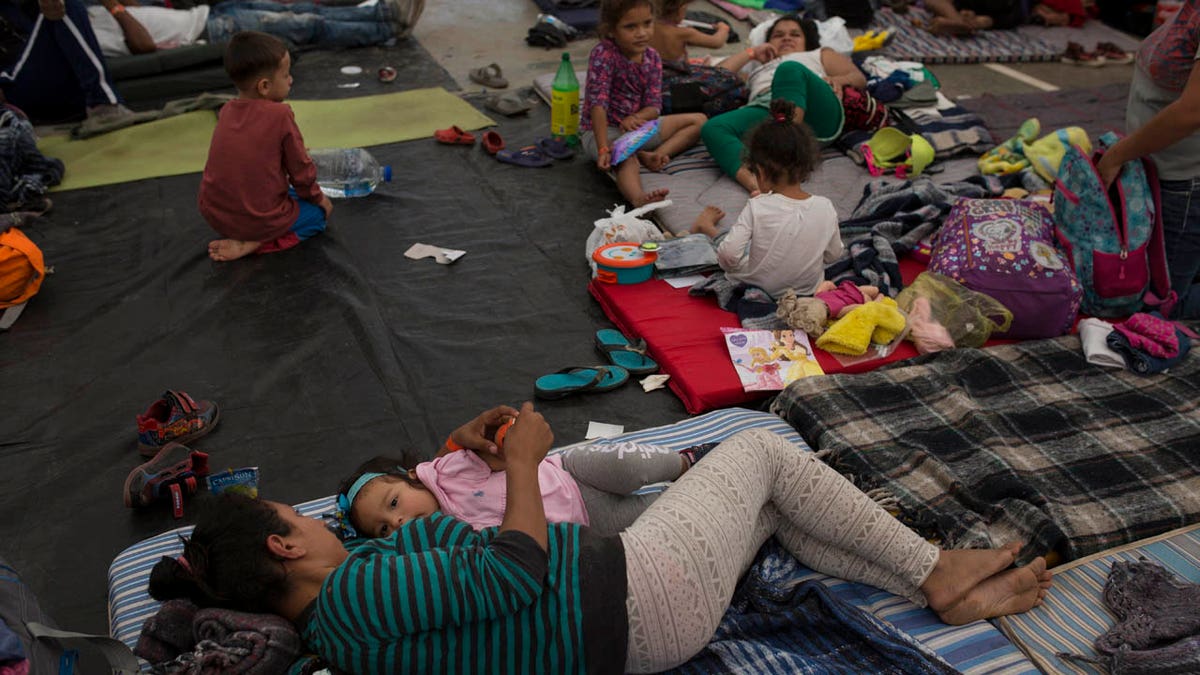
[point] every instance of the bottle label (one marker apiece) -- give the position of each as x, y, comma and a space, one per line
564, 113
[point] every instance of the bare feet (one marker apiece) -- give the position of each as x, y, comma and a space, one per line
746, 178
651, 196
231, 249
1011, 592
655, 161
958, 571
940, 25
707, 221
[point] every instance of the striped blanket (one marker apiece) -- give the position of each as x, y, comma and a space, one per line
1021, 442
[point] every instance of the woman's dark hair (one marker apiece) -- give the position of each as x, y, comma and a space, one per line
812, 36
226, 562
781, 150
611, 12
251, 55
390, 467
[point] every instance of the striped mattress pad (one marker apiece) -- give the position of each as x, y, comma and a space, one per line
976, 649
1074, 615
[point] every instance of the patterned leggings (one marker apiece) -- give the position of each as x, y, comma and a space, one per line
687, 551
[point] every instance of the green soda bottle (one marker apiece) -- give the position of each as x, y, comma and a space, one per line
564, 103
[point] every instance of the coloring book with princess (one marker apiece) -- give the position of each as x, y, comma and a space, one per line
769, 360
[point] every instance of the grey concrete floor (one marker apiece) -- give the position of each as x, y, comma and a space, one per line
466, 34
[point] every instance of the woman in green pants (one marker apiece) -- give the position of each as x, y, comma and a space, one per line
793, 67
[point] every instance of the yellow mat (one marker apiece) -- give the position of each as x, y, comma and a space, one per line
178, 145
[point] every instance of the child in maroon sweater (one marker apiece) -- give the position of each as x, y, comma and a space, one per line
259, 189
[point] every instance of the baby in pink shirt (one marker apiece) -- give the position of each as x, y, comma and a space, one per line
591, 484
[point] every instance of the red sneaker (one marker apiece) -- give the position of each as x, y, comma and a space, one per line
175, 417
1077, 55
174, 465
1111, 53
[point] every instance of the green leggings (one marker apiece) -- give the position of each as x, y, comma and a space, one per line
822, 112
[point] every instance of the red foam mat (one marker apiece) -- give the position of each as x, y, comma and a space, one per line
683, 334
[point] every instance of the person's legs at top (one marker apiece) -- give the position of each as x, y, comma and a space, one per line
61, 72
608, 473
947, 19
1180, 203
305, 23
676, 133
723, 136
687, 551
309, 223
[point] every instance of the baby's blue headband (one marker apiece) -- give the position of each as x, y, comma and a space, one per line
347, 500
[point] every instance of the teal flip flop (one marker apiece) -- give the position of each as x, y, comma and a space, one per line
617, 349
578, 380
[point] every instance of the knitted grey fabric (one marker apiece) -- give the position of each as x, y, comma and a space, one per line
1158, 627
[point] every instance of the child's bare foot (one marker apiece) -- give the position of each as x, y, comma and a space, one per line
231, 249
940, 25
707, 221
1010, 592
655, 161
651, 196
958, 571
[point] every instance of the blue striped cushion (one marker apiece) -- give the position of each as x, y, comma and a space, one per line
1074, 615
977, 649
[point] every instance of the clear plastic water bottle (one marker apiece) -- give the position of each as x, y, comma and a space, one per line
348, 172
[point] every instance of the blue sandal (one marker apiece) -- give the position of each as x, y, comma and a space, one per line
618, 350
578, 380
528, 156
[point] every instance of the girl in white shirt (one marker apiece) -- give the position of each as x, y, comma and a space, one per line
785, 236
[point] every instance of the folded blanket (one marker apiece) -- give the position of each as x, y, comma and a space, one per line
25, 174
179, 639
1023, 442
754, 306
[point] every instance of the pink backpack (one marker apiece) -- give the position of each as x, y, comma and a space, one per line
1004, 248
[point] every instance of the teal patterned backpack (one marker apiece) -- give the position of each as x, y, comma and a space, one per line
1113, 238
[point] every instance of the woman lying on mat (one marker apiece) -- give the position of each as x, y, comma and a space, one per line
793, 67
437, 596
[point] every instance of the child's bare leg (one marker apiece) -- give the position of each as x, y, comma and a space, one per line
629, 182
231, 249
706, 222
678, 133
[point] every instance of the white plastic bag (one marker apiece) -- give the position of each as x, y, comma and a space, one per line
622, 226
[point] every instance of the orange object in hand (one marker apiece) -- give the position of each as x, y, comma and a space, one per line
503, 431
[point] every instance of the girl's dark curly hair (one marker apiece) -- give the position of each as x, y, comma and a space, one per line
781, 150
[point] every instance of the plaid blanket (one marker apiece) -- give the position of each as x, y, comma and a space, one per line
1021, 442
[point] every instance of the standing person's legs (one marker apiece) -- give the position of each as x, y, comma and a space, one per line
1180, 205
61, 72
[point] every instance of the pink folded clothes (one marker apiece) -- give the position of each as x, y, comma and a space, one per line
1150, 334
845, 295
733, 10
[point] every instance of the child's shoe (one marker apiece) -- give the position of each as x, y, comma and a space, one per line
1113, 53
697, 452
175, 417
1077, 55
175, 469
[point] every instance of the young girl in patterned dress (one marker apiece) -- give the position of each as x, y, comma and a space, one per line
623, 92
